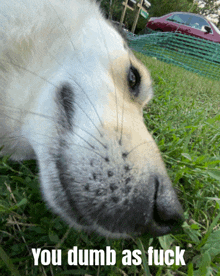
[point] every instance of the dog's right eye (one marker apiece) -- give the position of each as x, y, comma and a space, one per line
134, 80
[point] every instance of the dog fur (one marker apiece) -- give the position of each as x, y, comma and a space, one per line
71, 96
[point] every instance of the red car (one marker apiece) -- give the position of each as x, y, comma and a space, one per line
185, 23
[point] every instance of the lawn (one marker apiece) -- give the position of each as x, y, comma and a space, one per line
184, 118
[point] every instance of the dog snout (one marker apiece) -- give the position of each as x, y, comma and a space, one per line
152, 208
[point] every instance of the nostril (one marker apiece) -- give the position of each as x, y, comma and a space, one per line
156, 189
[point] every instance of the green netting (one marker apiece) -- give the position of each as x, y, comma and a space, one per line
194, 54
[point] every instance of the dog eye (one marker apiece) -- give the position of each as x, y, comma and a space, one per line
134, 79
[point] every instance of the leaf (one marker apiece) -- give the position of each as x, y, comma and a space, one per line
204, 264
215, 174
187, 156
18, 179
190, 270
8, 262
193, 234
166, 241
214, 119
194, 227
22, 202
212, 245
53, 237
209, 232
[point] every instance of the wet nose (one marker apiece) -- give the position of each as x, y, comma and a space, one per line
167, 213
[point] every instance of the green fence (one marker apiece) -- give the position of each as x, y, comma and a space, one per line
194, 54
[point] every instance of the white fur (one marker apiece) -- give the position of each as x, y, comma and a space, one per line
45, 45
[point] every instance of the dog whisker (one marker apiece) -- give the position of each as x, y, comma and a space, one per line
141, 144
104, 146
72, 96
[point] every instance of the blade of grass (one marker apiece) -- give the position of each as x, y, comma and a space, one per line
144, 259
8, 262
203, 241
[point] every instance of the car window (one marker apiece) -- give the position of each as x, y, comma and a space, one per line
180, 18
198, 22
216, 29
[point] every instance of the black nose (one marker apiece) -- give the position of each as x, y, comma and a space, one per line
167, 213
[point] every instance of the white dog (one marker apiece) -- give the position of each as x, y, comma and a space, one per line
71, 96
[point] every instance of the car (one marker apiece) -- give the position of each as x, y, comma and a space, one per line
185, 23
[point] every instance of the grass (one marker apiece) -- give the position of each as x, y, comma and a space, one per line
184, 118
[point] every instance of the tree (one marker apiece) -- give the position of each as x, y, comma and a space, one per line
113, 10
210, 7
159, 8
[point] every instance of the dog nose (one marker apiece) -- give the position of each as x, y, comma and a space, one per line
167, 213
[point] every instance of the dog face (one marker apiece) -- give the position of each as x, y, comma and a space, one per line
72, 95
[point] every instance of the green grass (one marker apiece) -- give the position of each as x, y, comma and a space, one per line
184, 118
